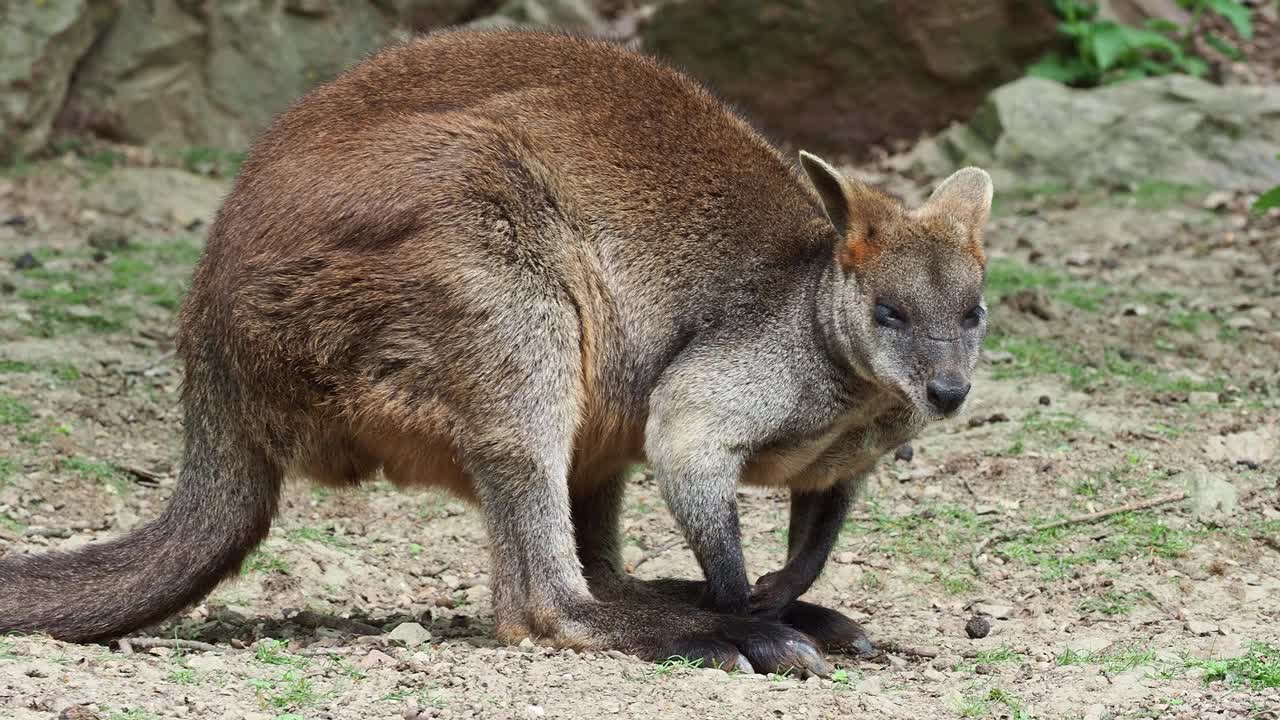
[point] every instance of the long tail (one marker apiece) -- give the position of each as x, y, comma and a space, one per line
223, 506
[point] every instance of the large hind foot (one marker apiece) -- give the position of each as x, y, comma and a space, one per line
661, 632
830, 629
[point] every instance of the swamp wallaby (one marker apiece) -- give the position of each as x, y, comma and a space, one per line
512, 265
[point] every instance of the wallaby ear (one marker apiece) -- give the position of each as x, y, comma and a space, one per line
855, 209
832, 187
965, 197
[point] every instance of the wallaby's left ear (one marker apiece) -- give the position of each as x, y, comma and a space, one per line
831, 187
965, 197
857, 210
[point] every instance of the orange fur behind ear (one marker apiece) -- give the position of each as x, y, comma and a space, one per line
975, 249
858, 251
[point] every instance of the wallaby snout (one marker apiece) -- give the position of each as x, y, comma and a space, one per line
947, 391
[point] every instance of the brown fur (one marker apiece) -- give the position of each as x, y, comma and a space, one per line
510, 265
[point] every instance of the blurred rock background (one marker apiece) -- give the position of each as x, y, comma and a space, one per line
851, 79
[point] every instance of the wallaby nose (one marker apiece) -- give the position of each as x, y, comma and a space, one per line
947, 394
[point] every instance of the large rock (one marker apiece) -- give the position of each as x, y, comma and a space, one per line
838, 76
573, 14
424, 15
1176, 129
40, 43
182, 72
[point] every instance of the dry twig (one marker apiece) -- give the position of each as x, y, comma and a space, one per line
1006, 535
127, 645
659, 550
928, 653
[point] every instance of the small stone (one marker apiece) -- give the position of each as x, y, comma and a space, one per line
1210, 493
984, 669
410, 635
999, 612
1218, 200
1252, 448
1045, 400
526, 645
1202, 397
715, 673
1200, 627
1089, 644
870, 685
813, 681
376, 658
208, 662
845, 558
904, 453
1095, 712
632, 555
945, 662
534, 711
478, 594
26, 261
978, 627
997, 357
933, 675
109, 238
77, 712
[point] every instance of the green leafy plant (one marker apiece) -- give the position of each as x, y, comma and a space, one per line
1269, 199
1107, 51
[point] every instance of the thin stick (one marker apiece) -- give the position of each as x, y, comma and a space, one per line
659, 550
128, 644
928, 653
1006, 535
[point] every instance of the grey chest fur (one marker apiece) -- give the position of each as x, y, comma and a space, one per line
846, 448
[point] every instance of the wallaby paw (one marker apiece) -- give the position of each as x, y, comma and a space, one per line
776, 648
830, 629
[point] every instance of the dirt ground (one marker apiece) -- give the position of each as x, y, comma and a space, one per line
1134, 353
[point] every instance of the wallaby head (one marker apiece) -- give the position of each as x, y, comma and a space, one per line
909, 312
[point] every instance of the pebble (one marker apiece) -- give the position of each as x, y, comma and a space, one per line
999, 612
376, 658
108, 237
904, 453
871, 685
1095, 712
1045, 400
410, 635
77, 712
1200, 627
526, 645
207, 662
933, 675
945, 662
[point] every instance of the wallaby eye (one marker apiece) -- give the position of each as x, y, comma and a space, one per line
889, 316
972, 318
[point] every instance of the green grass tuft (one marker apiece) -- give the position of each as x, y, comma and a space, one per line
1259, 668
